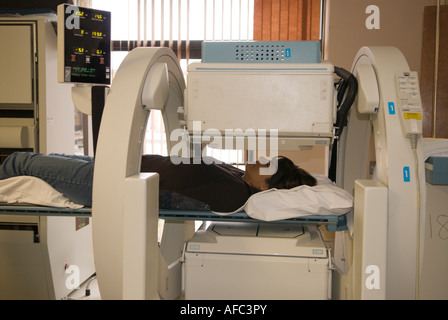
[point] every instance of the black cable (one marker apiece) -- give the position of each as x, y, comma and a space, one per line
88, 284
347, 89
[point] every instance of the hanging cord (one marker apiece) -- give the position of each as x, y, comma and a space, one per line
414, 139
88, 285
347, 89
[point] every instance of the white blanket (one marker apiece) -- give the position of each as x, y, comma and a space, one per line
32, 190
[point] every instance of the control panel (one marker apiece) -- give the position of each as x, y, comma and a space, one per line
84, 45
409, 103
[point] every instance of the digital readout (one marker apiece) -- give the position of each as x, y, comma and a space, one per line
87, 47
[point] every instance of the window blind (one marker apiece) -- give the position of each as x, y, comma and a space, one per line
287, 20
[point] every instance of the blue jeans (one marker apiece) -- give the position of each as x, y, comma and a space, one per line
69, 174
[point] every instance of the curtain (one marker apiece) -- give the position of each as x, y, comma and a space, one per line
287, 20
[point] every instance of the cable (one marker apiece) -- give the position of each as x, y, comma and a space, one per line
88, 285
347, 91
413, 139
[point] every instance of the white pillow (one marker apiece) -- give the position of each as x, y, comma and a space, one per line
32, 190
323, 199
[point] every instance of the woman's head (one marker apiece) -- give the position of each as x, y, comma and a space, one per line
287, 175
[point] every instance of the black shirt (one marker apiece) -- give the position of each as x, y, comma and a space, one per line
219, 185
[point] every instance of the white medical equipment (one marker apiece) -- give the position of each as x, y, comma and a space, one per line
274, 261
298, 102
45, 252
37, 113
382, 255
274, 91
380, 262
151, 78
84, 60
389, 108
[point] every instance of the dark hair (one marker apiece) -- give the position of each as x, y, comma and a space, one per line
289, 175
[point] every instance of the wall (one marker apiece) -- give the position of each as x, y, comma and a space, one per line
400, 24
408, 25
429, 80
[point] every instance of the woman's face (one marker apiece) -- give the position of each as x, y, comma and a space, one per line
254, 177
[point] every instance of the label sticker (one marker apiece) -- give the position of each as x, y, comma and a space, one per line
287, 53
391, 108
406, 174
413, 115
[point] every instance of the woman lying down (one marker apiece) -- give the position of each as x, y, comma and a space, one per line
206, 182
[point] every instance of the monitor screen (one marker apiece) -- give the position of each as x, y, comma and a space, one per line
84, 45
